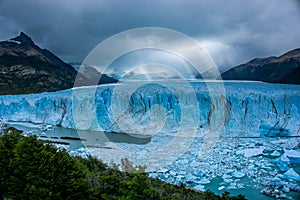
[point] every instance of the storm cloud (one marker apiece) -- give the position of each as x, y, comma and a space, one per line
232, 31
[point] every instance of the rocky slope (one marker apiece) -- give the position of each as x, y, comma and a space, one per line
26, 68
282, 69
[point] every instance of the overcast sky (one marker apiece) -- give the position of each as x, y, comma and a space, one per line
231, 31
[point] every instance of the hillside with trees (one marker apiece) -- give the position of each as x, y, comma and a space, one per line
32, 169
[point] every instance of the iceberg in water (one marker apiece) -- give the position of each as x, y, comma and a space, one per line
251, 152
293, 155
291, 174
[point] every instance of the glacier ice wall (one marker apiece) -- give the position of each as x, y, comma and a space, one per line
252, 109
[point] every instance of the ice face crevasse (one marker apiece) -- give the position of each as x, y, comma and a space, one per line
268, 111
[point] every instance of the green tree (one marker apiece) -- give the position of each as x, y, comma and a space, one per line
35, 170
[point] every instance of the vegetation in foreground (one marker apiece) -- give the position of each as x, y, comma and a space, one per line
31, 169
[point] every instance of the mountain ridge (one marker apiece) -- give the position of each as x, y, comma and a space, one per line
281, 69
27, 68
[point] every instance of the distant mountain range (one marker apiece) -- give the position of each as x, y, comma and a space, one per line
282, 69
26, 68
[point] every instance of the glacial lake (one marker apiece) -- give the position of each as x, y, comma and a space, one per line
250, 187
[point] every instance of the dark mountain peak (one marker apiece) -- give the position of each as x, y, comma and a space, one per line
261, 61
26, 68
282, 69
292, 53
24, 39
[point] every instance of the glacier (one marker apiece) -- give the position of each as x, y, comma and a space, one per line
248, 109
258, 125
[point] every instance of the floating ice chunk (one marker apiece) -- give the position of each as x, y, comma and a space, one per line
273, 192
239, 152
251, 167
198, 174
204, 181
199, 187
283, 166
251, 152
282, 162
229, 180
290, 143
286, 189
232, 186
251, 145
291, 174
180, 177
267, 166
221, 188
292, 153
190, 178
194, 164
61, 146
163, 170
275, 181
283, 158
294, 156
237, 174
275, 154
226, 176
153, 175
81, 150
46, 127
172, 173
